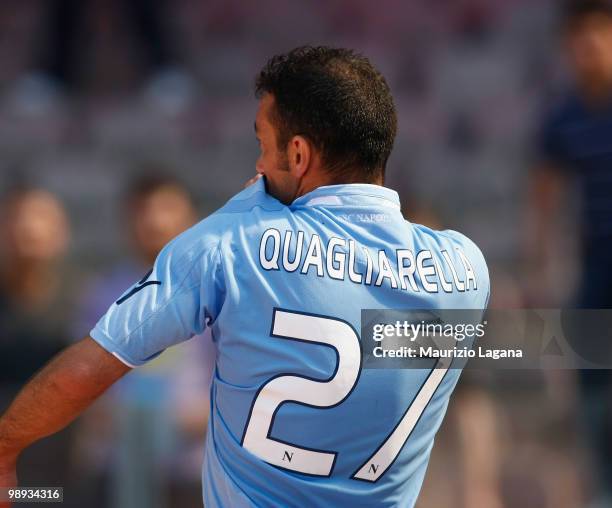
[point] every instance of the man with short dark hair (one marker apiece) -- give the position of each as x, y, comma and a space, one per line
281, 274
576, 142
576, 155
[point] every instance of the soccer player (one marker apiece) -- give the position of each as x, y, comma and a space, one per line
281, 274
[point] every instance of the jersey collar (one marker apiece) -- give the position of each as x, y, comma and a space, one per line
350, 193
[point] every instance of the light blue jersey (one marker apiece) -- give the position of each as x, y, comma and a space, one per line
295, 420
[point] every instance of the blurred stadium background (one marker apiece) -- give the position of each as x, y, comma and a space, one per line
100, 100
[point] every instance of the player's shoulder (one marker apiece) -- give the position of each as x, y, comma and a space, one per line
248, 200
251, 206
462, 241
459, 250
451, 241
442, 236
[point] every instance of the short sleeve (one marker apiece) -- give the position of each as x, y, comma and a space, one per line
170, 304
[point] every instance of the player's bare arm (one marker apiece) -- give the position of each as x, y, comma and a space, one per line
54, 397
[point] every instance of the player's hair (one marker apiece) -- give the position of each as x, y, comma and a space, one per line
336, 99
576, 11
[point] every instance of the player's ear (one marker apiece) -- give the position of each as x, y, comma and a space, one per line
300, 155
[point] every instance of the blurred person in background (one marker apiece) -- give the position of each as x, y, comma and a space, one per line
34, 302
155, 209
36, 299
145, 438
576, 158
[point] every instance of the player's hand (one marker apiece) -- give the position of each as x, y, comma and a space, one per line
253, 180
8, 477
